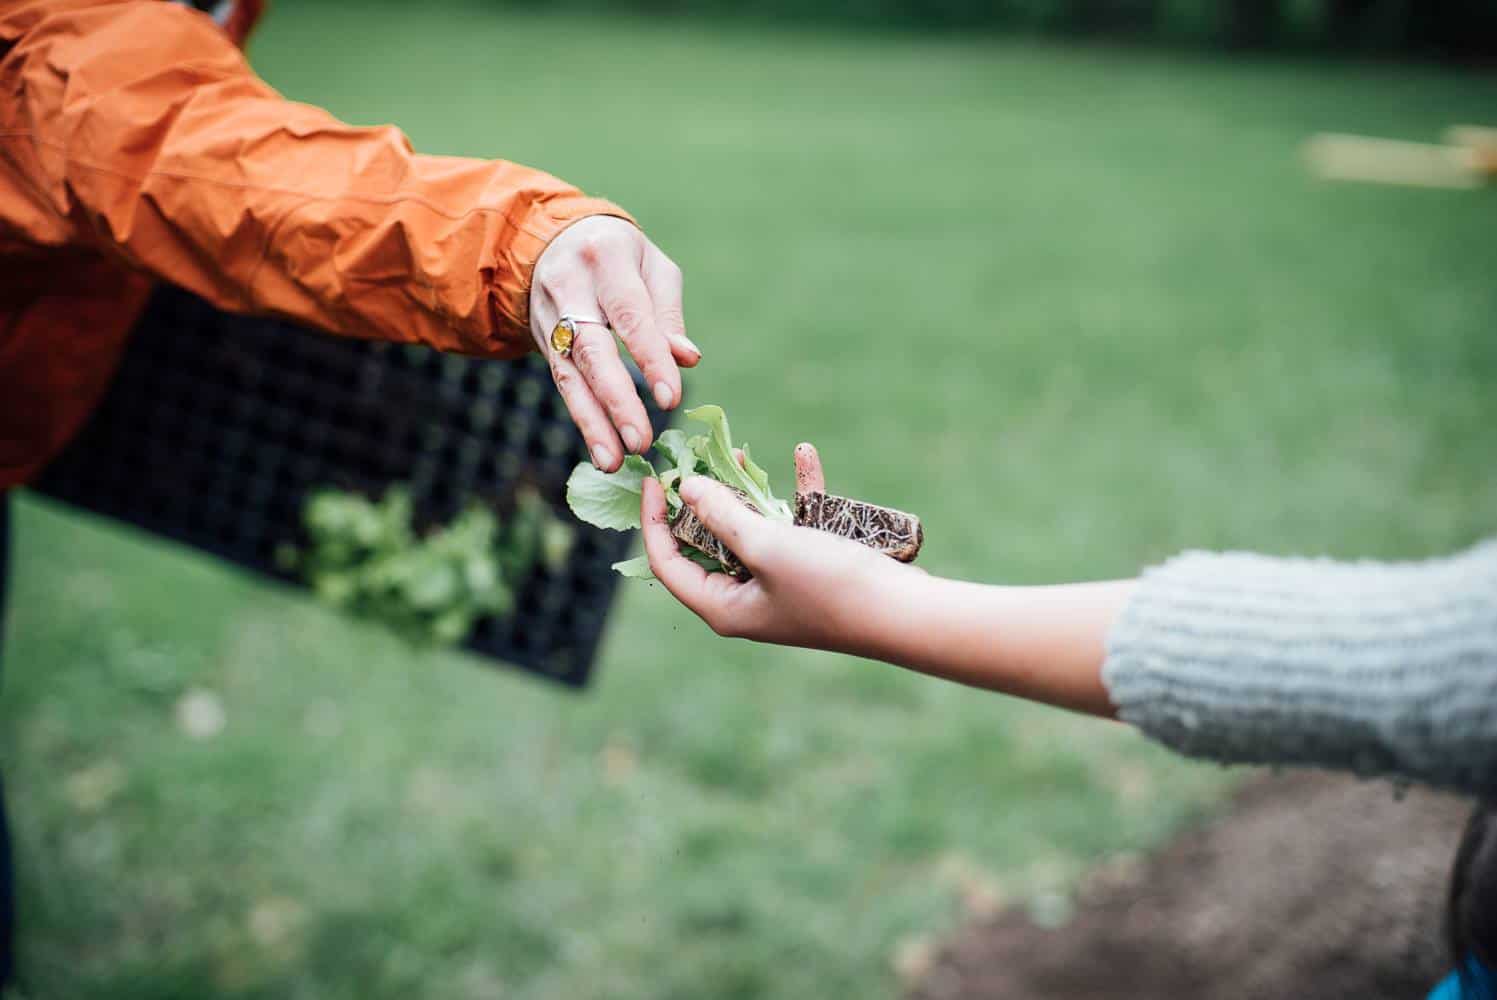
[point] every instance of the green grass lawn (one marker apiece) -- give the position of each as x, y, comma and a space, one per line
1079, 308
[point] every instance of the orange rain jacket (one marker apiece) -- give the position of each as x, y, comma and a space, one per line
136, 145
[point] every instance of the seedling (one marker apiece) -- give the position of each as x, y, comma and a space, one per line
365, 558
611, 499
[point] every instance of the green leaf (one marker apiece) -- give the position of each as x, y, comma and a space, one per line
452, 626
495, 601
671, 481
758, 475
675, 449
480, 572
336, 588
716, 449
430, 586
637, 568
702, 559
608, 499
557, 539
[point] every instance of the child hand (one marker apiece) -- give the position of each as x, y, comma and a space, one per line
809, 588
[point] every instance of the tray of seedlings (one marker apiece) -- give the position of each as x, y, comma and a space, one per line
423, 490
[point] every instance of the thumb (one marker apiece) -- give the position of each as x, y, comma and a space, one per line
741, 528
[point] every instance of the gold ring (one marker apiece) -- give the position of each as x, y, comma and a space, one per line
564, 333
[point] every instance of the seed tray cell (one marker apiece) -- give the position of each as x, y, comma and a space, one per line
217, 427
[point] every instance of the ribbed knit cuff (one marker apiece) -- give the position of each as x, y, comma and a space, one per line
1377, 668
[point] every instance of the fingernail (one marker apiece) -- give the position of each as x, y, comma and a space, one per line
631, 438
685, 342
663, 396
690, 488
601, 455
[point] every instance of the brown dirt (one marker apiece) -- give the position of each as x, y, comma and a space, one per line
1308, 885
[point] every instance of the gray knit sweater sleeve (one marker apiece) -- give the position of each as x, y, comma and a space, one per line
1381, 669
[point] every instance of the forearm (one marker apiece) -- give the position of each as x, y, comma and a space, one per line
1376, 668
137, 129
1044, 644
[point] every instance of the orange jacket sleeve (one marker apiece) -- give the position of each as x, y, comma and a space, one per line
135, 127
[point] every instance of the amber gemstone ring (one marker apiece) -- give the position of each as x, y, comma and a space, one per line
564, 333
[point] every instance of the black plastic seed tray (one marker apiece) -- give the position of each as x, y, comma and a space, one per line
218, 426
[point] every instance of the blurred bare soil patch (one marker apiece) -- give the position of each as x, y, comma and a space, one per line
1306, 885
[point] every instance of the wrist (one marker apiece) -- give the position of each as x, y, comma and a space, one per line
884, 613
543, 226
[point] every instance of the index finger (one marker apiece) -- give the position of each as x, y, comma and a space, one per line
664, 281
626, 303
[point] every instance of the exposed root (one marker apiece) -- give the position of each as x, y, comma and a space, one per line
688, 528
892, 532
883, 529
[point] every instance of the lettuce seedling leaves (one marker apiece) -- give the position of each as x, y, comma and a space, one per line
716, 450
637, 568
758, 475
672, 446
608, 499
611, 499
702, 559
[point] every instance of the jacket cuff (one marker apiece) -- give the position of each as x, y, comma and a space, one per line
510, 287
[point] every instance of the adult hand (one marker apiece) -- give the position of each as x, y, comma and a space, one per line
809, 588
604, 267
